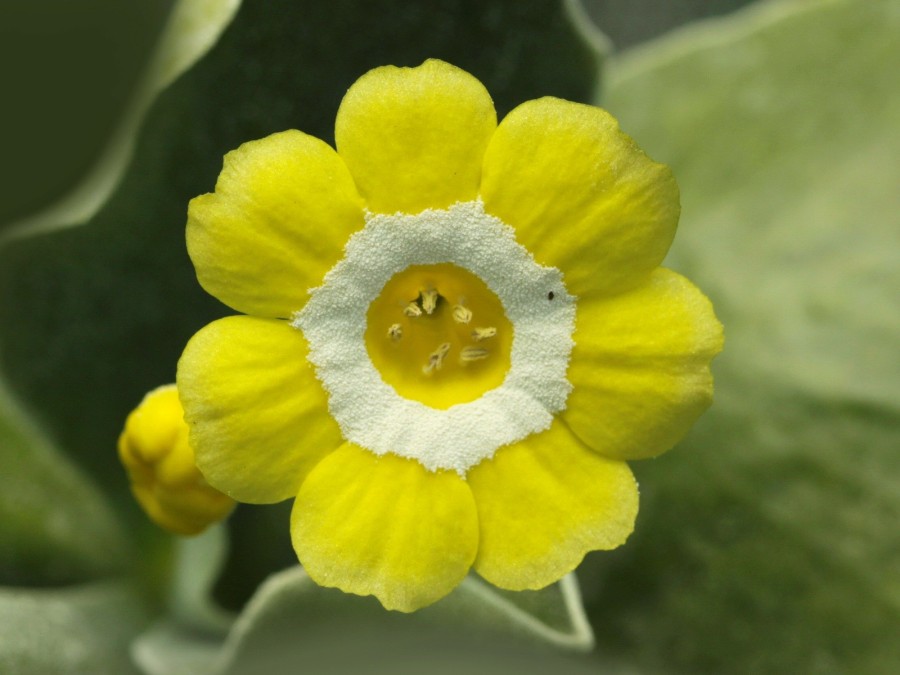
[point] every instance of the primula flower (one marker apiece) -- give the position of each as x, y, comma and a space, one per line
154, 449
455, 335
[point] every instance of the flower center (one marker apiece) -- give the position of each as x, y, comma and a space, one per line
439, 338
437, 334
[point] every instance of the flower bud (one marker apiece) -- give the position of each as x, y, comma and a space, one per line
164, 479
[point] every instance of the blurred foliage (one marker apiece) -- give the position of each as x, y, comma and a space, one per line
76, 629
68, 70
54, 526
291, 620
766, 542
630, 22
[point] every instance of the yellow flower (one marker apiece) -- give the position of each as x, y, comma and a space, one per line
154, 449
457, 332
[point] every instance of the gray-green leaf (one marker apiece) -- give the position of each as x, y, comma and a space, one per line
293, 621
79, 629
768, 541
193, 27
55, 526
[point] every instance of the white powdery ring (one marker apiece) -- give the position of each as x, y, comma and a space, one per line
370, 412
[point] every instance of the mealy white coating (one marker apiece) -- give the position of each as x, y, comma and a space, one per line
369, 411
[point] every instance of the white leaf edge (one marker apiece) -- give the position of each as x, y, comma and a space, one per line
581, 636
192, 29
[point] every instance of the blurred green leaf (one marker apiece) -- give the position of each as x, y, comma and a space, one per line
171, 647
69, 70
188, 638
293, 621
280, 624
768, 541
55, 527
629, 22
192, 28
80, 629
198, 562
787, 157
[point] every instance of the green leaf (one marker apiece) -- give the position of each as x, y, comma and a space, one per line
768, 541
170, 647
55, 527
276, 624
80, 629
198, 562
291, 620
790, 206
192, 28
188, 638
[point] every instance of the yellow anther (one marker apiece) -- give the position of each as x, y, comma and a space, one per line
412, 309
480, 334
165, 481
395, 332
473, 354
436, 358
429, 300
461, 314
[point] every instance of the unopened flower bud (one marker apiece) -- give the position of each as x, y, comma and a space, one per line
165, 480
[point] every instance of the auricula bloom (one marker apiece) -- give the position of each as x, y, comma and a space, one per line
454, 333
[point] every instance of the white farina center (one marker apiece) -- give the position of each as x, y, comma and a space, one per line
370, 412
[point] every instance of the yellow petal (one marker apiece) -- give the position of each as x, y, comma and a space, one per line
282, 211
385, 526
640, 367
543, 503
414, 138
257, 415
580, 194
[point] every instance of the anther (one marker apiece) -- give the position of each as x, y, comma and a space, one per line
429, 300
412, 309
461, 314
436, 358
395, 332
473, 354
480, 334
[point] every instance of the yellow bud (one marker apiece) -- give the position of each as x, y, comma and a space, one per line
154, 449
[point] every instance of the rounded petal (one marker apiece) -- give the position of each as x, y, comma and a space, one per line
283, 208
640, 367
580, 194
257, 415
543, 503
414, 138
385, 526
